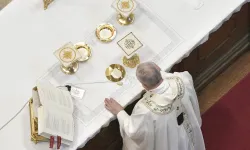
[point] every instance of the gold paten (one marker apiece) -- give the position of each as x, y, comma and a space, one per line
46, 3
109, 27
34, 125
71, 69
131, 62
110, 69
125, 20
86, 47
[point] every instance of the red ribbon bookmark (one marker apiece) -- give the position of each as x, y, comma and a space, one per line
51, 142
59, 142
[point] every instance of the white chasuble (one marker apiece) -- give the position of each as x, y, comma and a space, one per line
167, 118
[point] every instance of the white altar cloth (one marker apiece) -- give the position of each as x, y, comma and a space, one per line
158, 41
29, 36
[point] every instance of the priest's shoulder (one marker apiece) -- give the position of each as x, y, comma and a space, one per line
140, 106
185, 76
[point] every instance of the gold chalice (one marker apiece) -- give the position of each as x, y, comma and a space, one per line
125, 10
68, 56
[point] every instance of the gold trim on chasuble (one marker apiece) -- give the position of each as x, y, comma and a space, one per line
162, 110
158, 109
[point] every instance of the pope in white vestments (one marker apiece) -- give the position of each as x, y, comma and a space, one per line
166, 118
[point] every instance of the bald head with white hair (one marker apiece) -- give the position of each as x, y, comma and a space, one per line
149, 75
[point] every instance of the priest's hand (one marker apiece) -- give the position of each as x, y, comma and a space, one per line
113, 106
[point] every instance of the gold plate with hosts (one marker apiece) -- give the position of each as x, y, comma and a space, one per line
85, 51
105, 32
115, 72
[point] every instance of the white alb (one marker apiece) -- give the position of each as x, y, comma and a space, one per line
153, 123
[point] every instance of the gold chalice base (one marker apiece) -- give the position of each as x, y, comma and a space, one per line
71, 69
125, 20
111, 69
131, 62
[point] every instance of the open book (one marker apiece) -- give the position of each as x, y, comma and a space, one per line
55, 113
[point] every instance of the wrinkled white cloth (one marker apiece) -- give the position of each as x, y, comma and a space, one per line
153, 124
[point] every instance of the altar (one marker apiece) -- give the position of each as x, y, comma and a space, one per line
174, 34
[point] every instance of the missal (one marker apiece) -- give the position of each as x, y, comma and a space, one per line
55, 113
